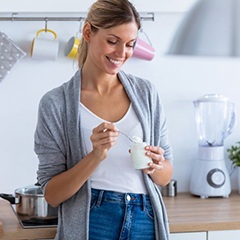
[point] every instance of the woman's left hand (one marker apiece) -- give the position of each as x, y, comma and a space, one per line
157, 155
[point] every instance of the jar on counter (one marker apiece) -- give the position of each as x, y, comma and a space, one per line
170, 190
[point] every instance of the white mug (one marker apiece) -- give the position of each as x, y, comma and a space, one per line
45, 48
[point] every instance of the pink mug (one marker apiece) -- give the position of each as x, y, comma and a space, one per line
143, 50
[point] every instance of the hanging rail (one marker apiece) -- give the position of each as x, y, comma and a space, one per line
14, 17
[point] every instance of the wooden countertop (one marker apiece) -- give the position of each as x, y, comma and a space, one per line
1, 226
186, 213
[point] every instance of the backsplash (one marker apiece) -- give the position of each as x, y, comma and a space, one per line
179, 81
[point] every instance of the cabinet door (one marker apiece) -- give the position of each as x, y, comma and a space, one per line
223, 235
189, 236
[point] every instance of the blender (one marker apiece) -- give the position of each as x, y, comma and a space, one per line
215, 118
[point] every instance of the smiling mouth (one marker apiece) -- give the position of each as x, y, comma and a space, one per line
115, 62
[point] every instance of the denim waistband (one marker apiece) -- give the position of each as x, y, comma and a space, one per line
123, 198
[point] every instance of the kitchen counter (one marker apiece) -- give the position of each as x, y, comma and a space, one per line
186, 213
11, 228
189, 213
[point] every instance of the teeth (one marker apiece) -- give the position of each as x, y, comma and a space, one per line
115, 61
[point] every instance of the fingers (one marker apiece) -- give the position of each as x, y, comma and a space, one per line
103, 137
105, 133
157, 156
155, 153
153, 167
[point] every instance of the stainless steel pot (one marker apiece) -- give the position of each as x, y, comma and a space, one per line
30, 203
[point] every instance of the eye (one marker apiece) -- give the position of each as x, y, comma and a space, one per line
130, 45
112, 42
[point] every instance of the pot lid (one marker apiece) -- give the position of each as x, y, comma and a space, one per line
31, 191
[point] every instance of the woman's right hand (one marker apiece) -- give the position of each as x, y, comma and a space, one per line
103, 137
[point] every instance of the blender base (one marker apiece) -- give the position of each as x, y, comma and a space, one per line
210, 178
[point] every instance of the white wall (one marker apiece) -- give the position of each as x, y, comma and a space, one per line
83, 5
178, 80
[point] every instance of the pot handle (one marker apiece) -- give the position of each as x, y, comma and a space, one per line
37, 184
8, 197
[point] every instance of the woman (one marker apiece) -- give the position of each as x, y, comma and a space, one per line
84, 162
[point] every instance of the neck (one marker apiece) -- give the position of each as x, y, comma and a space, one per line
98, 81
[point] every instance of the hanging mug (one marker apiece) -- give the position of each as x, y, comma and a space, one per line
71, 49
45, 48
143, 50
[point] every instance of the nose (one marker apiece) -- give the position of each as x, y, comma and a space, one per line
121, 50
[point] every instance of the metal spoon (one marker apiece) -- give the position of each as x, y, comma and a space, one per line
124, 134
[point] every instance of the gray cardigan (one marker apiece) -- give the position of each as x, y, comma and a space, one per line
58, 144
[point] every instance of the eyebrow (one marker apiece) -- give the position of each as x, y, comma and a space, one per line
113, 35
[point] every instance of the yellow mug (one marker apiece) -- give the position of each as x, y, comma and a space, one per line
71, 49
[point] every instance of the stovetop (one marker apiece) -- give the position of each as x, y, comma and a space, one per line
27, 222
38, 223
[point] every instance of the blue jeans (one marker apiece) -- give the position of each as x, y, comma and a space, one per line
120, 216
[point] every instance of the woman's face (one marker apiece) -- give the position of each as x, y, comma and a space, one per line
108, 49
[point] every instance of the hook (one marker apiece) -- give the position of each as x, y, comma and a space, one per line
79, 32
46, 20
145, 34
80, 26
13, 16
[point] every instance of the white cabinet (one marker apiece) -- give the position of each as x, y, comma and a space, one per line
211, 235
223, 235
189, 236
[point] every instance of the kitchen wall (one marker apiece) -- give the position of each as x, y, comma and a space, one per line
179, 81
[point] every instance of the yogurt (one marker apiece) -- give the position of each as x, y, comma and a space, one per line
138, 154
137, 139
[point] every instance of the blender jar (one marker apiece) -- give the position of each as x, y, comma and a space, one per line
215, 117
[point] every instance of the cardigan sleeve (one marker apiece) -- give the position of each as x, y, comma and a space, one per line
48, 138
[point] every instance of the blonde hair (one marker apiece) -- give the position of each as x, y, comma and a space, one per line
105, 14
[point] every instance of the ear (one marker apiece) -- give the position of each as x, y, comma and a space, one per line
86, 32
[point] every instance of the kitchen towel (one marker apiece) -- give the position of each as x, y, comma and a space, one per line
10, 54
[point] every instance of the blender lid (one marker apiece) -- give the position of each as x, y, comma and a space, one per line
212, 98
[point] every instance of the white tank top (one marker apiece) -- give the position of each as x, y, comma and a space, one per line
115, 173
